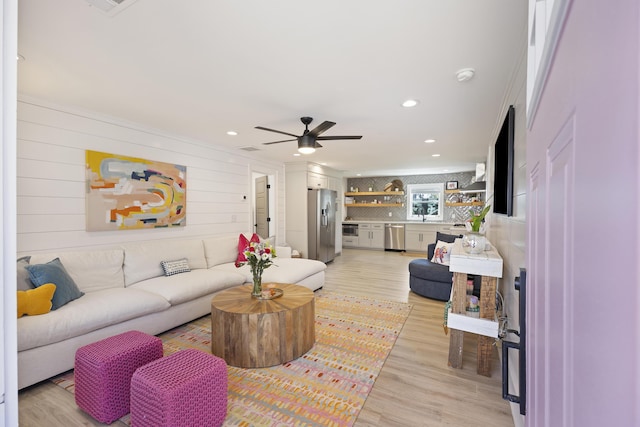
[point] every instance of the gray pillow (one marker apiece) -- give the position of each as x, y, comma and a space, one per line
447, 238
54, 272
22, 278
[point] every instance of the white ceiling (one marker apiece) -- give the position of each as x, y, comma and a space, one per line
200, 68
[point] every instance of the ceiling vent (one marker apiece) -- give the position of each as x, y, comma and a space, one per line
111, 7
249, 149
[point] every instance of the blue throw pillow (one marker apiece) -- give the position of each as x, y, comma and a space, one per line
54, 272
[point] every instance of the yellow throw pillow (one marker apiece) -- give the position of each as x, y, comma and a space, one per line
36, 301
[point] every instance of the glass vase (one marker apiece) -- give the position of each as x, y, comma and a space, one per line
474, 242
257, 285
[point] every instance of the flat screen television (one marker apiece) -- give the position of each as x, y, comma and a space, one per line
503, 166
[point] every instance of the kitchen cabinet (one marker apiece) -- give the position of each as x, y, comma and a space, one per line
350, 241
371, 236
372, 199
418, 236
316, 180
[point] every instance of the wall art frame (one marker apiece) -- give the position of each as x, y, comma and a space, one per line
129, 193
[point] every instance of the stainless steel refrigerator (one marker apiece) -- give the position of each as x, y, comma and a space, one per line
322, 224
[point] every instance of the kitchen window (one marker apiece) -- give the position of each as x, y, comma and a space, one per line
425, 202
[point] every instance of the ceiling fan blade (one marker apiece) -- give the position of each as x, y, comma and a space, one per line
322, 127
316, 145
327, 138
278, 142
276, 131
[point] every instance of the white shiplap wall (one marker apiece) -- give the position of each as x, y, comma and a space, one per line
52, 141
508, 234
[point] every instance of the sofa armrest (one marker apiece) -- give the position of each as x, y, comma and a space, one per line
431, 248
283, 251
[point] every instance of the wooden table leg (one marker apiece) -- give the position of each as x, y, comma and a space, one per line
458, 305
487, 311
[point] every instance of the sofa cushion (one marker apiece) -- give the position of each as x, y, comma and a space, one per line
186, 287
91, 270
54, 272
283, 270
79, 317
35, 301
425, 269
23, 282
220, 250
142, 260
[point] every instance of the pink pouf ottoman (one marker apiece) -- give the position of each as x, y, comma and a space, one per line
186, 388
103, 372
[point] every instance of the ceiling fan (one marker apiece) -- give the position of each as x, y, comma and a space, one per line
308, 141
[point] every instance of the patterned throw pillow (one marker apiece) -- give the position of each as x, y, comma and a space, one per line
442, 253
175, 267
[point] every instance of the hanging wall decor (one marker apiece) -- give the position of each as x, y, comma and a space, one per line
125, 193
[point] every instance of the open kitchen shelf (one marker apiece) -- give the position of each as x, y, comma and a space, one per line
456, 203
373, 205
464, 203
374, 193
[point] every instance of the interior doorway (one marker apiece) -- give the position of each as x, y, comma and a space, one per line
261, 203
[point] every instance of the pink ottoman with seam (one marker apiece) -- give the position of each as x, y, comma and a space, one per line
103, 372
186, 388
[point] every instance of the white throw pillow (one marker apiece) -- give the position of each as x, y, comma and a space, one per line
442, 253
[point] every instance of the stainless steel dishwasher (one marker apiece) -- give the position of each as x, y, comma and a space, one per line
394, 237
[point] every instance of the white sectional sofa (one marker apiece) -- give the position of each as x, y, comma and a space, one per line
125, 289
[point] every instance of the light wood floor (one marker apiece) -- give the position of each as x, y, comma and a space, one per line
415, 386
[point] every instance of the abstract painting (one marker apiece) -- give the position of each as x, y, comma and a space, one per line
125, 193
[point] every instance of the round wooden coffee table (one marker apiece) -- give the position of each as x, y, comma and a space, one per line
251, 333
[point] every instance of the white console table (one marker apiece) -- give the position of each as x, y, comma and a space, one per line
488, 265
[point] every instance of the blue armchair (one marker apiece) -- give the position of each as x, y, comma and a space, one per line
433, 280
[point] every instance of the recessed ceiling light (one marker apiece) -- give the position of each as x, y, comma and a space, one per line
297, 154
435, 155
429, 141
232, 133
445, 170
323, 163
410, 103
358, 174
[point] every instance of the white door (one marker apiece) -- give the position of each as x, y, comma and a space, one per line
583, 355
262, 207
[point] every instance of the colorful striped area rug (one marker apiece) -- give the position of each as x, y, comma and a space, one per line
325, 387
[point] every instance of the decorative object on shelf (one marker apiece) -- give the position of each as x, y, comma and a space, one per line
259, 256
397, 185
270, 293
476, 218
474, 241
452, 185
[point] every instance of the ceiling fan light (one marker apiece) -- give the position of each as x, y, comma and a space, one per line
306, 150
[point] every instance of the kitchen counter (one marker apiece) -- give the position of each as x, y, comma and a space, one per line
449, 225
372, 234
